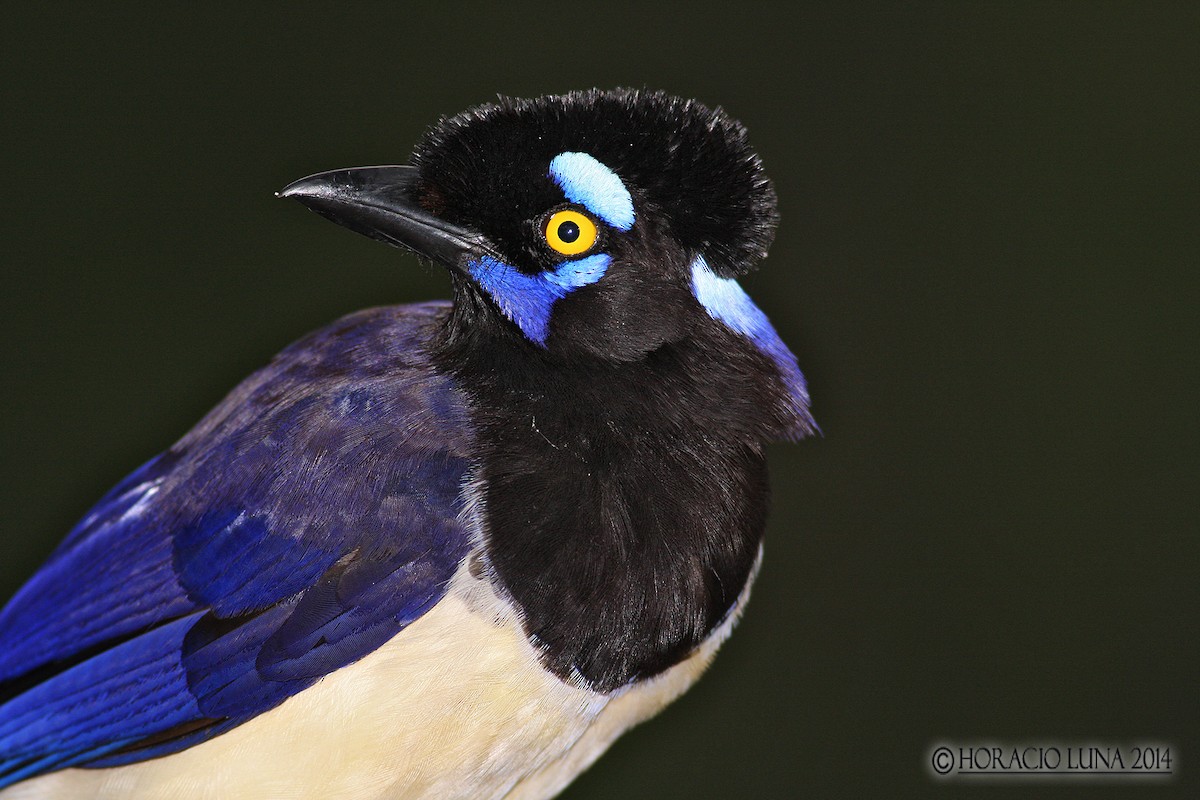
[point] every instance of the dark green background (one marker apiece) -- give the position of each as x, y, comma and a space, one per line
986, 267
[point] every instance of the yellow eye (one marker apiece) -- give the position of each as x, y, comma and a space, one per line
570, 232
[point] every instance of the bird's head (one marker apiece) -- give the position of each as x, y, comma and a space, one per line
597, 224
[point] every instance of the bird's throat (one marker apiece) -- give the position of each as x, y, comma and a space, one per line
624, 504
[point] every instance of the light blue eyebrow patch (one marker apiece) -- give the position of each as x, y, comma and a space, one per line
586, 181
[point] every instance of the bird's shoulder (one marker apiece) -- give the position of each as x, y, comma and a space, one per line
311, 516
372, 367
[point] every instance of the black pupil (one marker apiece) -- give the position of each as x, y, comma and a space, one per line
568, 231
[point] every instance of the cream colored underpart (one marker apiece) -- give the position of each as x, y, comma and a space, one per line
455, 706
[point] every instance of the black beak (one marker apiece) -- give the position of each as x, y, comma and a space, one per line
380, 202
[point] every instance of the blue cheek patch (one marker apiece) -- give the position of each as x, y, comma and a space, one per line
528, 299
570, 275
726, 301
587, 182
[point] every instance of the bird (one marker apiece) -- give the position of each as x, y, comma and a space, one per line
450, 549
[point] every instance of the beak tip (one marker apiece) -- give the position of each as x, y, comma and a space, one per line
299, 188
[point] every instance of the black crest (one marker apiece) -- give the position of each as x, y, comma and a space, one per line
692, 163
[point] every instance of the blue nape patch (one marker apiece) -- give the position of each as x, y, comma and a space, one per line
528, 299
586, 181
725, 300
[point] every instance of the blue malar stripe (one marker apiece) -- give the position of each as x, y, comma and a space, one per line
528, 300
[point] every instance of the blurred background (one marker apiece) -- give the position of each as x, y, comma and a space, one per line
987, 268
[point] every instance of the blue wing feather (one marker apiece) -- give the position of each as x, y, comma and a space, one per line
114, 577
304, 522
123, 694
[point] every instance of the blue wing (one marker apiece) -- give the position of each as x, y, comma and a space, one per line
304, 522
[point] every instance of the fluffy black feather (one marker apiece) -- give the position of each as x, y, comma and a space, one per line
621, 465
691, 164
625, 503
